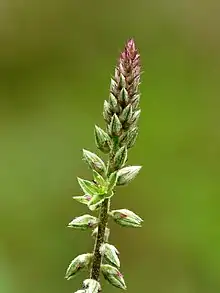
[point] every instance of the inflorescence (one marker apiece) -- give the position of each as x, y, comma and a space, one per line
121, 114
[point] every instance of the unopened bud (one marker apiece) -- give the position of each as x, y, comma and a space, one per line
113, 103
107, 114
94, 162
120, 157
126, 218
102, 140
91, 286
110, 254
135, 117
115, 126
135, 102
130, 137
122, 81
113, 276
113, 86
123, 97
126, 114
80, 262
80, 291
125, 175
84, 222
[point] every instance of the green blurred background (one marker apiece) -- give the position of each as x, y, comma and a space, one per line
56, 59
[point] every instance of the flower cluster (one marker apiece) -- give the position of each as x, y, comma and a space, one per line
121, 113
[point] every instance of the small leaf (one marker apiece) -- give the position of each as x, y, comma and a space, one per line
82, 261
83, 199
94, 162
88, 187
112, 180
125, 175
96, 201
113, 276
100, 180
84, 222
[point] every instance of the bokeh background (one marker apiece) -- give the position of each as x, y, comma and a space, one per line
56, 59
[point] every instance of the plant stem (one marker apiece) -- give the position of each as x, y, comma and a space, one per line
97, 258
103, 220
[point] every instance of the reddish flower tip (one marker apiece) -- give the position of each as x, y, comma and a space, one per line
130, 44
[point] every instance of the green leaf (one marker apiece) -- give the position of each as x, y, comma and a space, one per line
83, 199
96, 201
112, 180
88, 187
99, 179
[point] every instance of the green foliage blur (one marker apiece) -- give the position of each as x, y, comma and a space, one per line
56, 60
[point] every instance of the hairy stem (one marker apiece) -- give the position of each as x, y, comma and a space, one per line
97, 258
